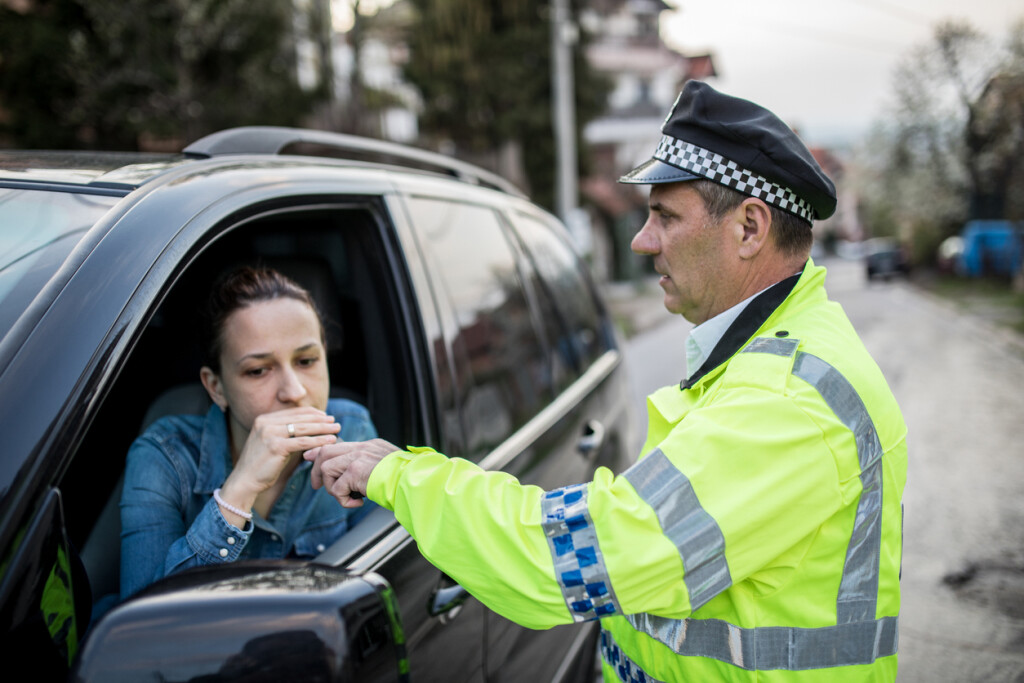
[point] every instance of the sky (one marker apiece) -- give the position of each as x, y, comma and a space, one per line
824, 66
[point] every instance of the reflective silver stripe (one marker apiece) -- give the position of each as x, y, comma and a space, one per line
693, 531
774, 647
772, 345
626, 669
579, 564
858, 637
858, 591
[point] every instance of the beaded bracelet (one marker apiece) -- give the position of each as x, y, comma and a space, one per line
229, 507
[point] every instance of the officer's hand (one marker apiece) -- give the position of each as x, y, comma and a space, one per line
344, 468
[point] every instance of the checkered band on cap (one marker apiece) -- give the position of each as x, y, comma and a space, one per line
715, 167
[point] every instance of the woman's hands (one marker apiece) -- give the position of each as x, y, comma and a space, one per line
269, 450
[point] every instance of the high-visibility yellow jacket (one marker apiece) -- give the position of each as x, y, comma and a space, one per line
758, 538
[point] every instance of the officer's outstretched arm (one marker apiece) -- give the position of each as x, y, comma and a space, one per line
710, 506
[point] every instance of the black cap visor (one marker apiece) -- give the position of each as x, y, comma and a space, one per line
655, 171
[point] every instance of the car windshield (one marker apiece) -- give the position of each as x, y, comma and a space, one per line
38, 229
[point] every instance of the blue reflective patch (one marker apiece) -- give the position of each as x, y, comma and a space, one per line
576, 523
604, 610
563, 544
574, 548
586, 556
582, 606
573, 578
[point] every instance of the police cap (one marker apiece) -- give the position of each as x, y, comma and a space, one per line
741, 145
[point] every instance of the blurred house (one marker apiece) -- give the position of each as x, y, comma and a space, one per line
646, 75
844, 225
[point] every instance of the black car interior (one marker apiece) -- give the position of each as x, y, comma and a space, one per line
338, 254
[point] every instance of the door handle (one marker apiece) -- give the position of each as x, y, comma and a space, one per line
592, 440
447, 599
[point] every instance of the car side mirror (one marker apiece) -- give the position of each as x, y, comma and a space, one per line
260, 621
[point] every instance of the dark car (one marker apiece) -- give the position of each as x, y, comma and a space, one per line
885, 258
462, 318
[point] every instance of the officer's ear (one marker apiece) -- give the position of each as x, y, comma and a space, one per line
754, 224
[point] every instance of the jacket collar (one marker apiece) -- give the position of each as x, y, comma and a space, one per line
759, 315
214, 451
743, 327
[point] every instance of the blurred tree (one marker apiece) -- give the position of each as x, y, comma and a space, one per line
355, 106
125, 73
484, 71
995, 139
36, 83
952, 145
354, 117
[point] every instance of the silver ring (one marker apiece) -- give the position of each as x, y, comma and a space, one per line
291, 430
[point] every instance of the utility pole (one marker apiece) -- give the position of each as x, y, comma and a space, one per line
564, 35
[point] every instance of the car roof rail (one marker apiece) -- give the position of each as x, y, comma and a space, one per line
283, 140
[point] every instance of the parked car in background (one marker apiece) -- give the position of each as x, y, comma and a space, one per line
456, 310
949, 256
885, 257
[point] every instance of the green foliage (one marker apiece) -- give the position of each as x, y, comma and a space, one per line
484, 71
36, 81
109, 72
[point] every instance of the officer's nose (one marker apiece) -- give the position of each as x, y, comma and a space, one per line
644, 242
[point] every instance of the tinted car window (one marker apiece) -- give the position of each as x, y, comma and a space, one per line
39, 230
501, 373
567, 294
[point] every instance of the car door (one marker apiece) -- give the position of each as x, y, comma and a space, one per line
519, 392
383, 359
592, 426
206, 221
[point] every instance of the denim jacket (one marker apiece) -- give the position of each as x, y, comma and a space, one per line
169, 520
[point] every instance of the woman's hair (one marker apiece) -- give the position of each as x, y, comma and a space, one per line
237, 289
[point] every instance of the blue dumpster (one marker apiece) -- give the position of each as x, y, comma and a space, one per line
992, 247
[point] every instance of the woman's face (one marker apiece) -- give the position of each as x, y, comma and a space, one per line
272, 358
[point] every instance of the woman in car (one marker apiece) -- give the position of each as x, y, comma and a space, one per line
202, 490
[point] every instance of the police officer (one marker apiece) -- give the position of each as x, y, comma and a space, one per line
758, 537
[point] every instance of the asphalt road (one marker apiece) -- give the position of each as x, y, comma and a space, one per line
960, 383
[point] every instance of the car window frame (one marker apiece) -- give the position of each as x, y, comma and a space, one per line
98, 377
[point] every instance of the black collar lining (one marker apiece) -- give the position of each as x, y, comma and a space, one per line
743, 327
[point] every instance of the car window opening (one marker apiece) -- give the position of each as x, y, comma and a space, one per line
336, 254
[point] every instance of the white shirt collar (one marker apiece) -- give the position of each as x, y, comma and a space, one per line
704, 337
